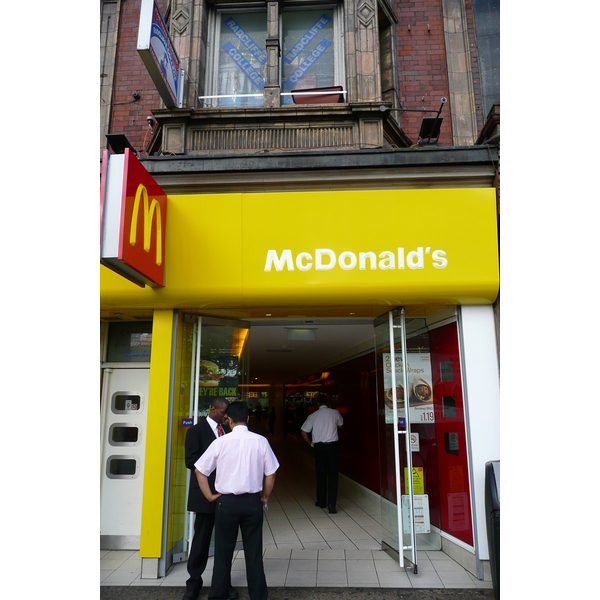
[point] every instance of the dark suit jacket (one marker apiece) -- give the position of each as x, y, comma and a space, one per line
197, 440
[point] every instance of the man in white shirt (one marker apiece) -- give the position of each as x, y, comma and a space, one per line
246, 469
324, 424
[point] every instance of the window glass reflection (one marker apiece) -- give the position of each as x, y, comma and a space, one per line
129, 342
123, 402
121, 435
121, 466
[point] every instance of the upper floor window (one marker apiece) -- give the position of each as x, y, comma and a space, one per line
308, 50
240, 58
311, 54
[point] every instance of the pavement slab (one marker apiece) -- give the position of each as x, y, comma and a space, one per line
279, 593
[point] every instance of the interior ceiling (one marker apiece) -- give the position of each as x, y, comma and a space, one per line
273, 358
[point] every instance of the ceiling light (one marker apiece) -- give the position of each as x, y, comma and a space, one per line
309, 335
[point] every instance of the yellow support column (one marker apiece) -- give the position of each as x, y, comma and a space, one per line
156, 442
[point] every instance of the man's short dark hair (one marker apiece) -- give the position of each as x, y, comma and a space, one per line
238, 412
322, 399
218, 402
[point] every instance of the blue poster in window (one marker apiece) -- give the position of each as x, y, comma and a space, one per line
246, 40
310, 34
238, 58
306, 64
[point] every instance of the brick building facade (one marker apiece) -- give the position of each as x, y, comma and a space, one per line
418, 52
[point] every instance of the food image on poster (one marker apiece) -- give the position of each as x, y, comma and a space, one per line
420, 389
389, 397
209, 373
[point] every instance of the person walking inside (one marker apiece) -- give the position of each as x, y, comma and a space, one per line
246, 468
324, 424
197, 440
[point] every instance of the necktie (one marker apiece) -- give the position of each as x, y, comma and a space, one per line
220, 430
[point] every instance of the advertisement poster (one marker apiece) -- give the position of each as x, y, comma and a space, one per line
420, 388
219, 377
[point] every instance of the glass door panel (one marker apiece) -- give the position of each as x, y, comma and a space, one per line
388, 440
406, 436
212, 364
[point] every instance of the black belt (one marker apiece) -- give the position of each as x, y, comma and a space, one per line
326, 443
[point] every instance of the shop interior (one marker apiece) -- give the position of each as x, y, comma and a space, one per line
283, 364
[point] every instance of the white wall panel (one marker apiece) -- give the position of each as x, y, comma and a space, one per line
482, 395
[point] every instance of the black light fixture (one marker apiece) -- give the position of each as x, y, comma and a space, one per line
118, 142
430, 127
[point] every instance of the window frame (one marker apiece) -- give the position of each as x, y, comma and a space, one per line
339, 74
214, 37
216, 15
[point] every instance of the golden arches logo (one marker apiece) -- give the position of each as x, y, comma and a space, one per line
149, 211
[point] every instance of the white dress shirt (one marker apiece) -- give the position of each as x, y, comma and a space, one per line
241, 458
324, 424
213, 426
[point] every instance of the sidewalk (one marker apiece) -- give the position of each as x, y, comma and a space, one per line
310, 554
175, 593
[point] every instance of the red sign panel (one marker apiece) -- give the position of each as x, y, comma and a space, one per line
143, 222
140, 207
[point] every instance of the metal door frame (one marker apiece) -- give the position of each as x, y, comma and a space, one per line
412, 545
194, 396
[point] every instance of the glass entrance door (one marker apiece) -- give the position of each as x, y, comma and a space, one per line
403, 341
212, 364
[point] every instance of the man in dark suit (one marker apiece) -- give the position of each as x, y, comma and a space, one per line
197, 440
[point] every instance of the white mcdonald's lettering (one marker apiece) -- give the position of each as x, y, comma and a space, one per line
326, 259
149, 212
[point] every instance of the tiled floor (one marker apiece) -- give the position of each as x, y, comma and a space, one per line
305, 546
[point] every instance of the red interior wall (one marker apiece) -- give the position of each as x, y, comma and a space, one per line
366, 442
453, 474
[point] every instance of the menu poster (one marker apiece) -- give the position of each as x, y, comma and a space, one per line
218, 376
420, 389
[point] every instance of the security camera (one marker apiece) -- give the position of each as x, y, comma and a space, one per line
150, 120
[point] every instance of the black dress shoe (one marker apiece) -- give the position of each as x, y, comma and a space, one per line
319, 505
332, 510
191, 595
232, 594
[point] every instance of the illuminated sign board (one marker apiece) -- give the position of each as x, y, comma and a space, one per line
358, 248
158, 54
133, 210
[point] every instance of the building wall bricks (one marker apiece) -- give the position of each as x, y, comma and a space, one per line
128, 114
422, 68
422, 71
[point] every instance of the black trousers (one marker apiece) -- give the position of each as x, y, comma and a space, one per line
327, 466
198, 555
245, 513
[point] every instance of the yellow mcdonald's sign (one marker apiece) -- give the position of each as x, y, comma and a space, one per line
150, 210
